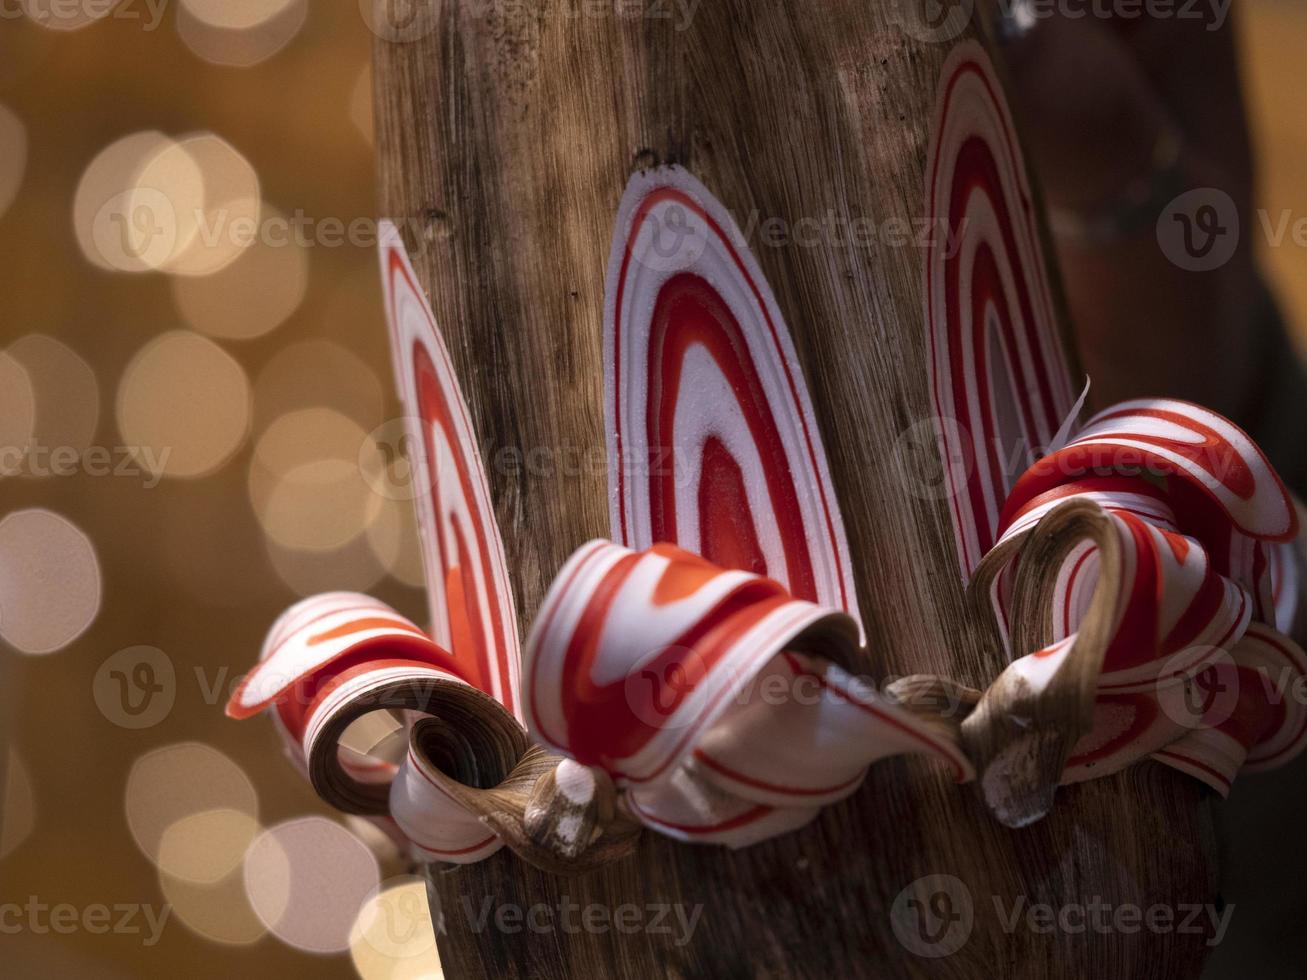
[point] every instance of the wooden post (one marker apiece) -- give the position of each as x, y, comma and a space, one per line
506, 135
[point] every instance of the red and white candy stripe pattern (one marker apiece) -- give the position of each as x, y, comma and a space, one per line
468, 587
325, 656
712, 441
1198, 511
998, 371
684, 682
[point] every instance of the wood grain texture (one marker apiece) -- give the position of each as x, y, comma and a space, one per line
506, 135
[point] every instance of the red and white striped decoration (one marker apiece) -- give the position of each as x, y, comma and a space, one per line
472, 612
998, 371
1254, 712
684, 682
712, 441
323, 659
1198, 511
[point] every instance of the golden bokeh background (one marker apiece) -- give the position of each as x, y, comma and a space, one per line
194, 356
195, 398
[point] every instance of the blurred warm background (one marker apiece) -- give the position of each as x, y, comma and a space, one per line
245, 378
198, 396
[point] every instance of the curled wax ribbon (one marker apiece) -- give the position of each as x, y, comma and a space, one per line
719, 702
466, 783
1139, 563
334, 658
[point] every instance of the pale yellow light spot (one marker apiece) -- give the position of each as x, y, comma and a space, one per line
256, 292
305, 482
236, 15
136, 205
179, 781
205, 847
229, 220
239, 33
184, 402
393, 938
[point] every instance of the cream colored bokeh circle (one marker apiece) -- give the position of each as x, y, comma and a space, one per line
60, 15
177, 782
206, 846
236, 15
228, 222
306, 880
49, 581
393, 938
138, 203
17, 414
67, 393
305, 483
219, 912
187, 401
239, 33
256, 293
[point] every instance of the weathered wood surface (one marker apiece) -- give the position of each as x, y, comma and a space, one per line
506, 134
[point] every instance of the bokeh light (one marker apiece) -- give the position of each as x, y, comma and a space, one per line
49, 581
60, 15
19, 817
184, 402
256, 292
239, 33
17, 414
360, 103
393, 938
138, 203
13, 157
205, 847
218, 912
306, 879
177, 782
305, 482
352, 568
67, 395
394, 540
232, 207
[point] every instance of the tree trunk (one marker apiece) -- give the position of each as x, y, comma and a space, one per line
506, 135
